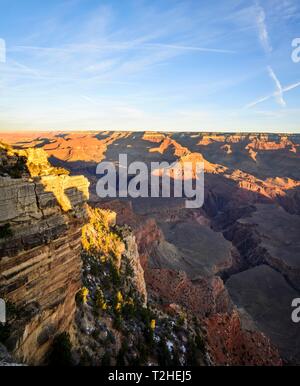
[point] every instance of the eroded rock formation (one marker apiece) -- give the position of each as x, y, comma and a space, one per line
40, 246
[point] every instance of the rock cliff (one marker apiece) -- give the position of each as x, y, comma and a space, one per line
42, 210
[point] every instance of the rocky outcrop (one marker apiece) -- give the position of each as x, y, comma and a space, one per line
202, 297
153, 137
230, 344
133, 258
266, 144
40, 225
6, 359
227, 149
278, 251
168, 144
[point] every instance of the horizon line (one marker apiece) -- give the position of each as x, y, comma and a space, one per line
202, 131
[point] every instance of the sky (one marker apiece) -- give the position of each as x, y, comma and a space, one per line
182, 65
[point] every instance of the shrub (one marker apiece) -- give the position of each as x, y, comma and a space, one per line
97, 235
119, 297
5, 231
153, 324
83, 294
118, 307
129, 270
122, 354
164, 355
199, 342
146, 315
114, 275
61, 351
191, 354
105, 359
100, 300
144, 352
129, 309
117, 324
180, 321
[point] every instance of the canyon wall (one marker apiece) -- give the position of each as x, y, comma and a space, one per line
41, 215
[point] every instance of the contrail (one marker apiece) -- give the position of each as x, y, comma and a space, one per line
279, 95
190, 48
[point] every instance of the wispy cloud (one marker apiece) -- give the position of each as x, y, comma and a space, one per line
191, 48
117, 46
262, 28
103, 66
91, 100
123, 110
85, 65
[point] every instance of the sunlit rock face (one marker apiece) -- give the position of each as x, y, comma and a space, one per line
41, 215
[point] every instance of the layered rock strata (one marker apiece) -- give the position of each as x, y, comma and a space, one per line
41, 216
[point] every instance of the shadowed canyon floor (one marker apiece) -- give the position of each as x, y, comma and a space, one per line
235, 262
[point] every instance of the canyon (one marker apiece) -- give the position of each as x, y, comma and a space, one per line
232, 264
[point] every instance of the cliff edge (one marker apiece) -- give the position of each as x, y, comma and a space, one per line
42, 210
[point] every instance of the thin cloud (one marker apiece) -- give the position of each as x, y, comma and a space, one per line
111, 108
279, 96
262, 29
129, 45
191, 48
90, 100
103, 66
258, 101
291, 87
274, 95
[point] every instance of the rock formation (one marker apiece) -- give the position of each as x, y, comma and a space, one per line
41, 216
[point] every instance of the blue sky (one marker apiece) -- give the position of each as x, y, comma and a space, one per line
155, 64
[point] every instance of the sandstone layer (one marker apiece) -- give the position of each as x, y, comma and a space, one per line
39, 254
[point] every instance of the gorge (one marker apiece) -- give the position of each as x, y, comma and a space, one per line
191, 270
